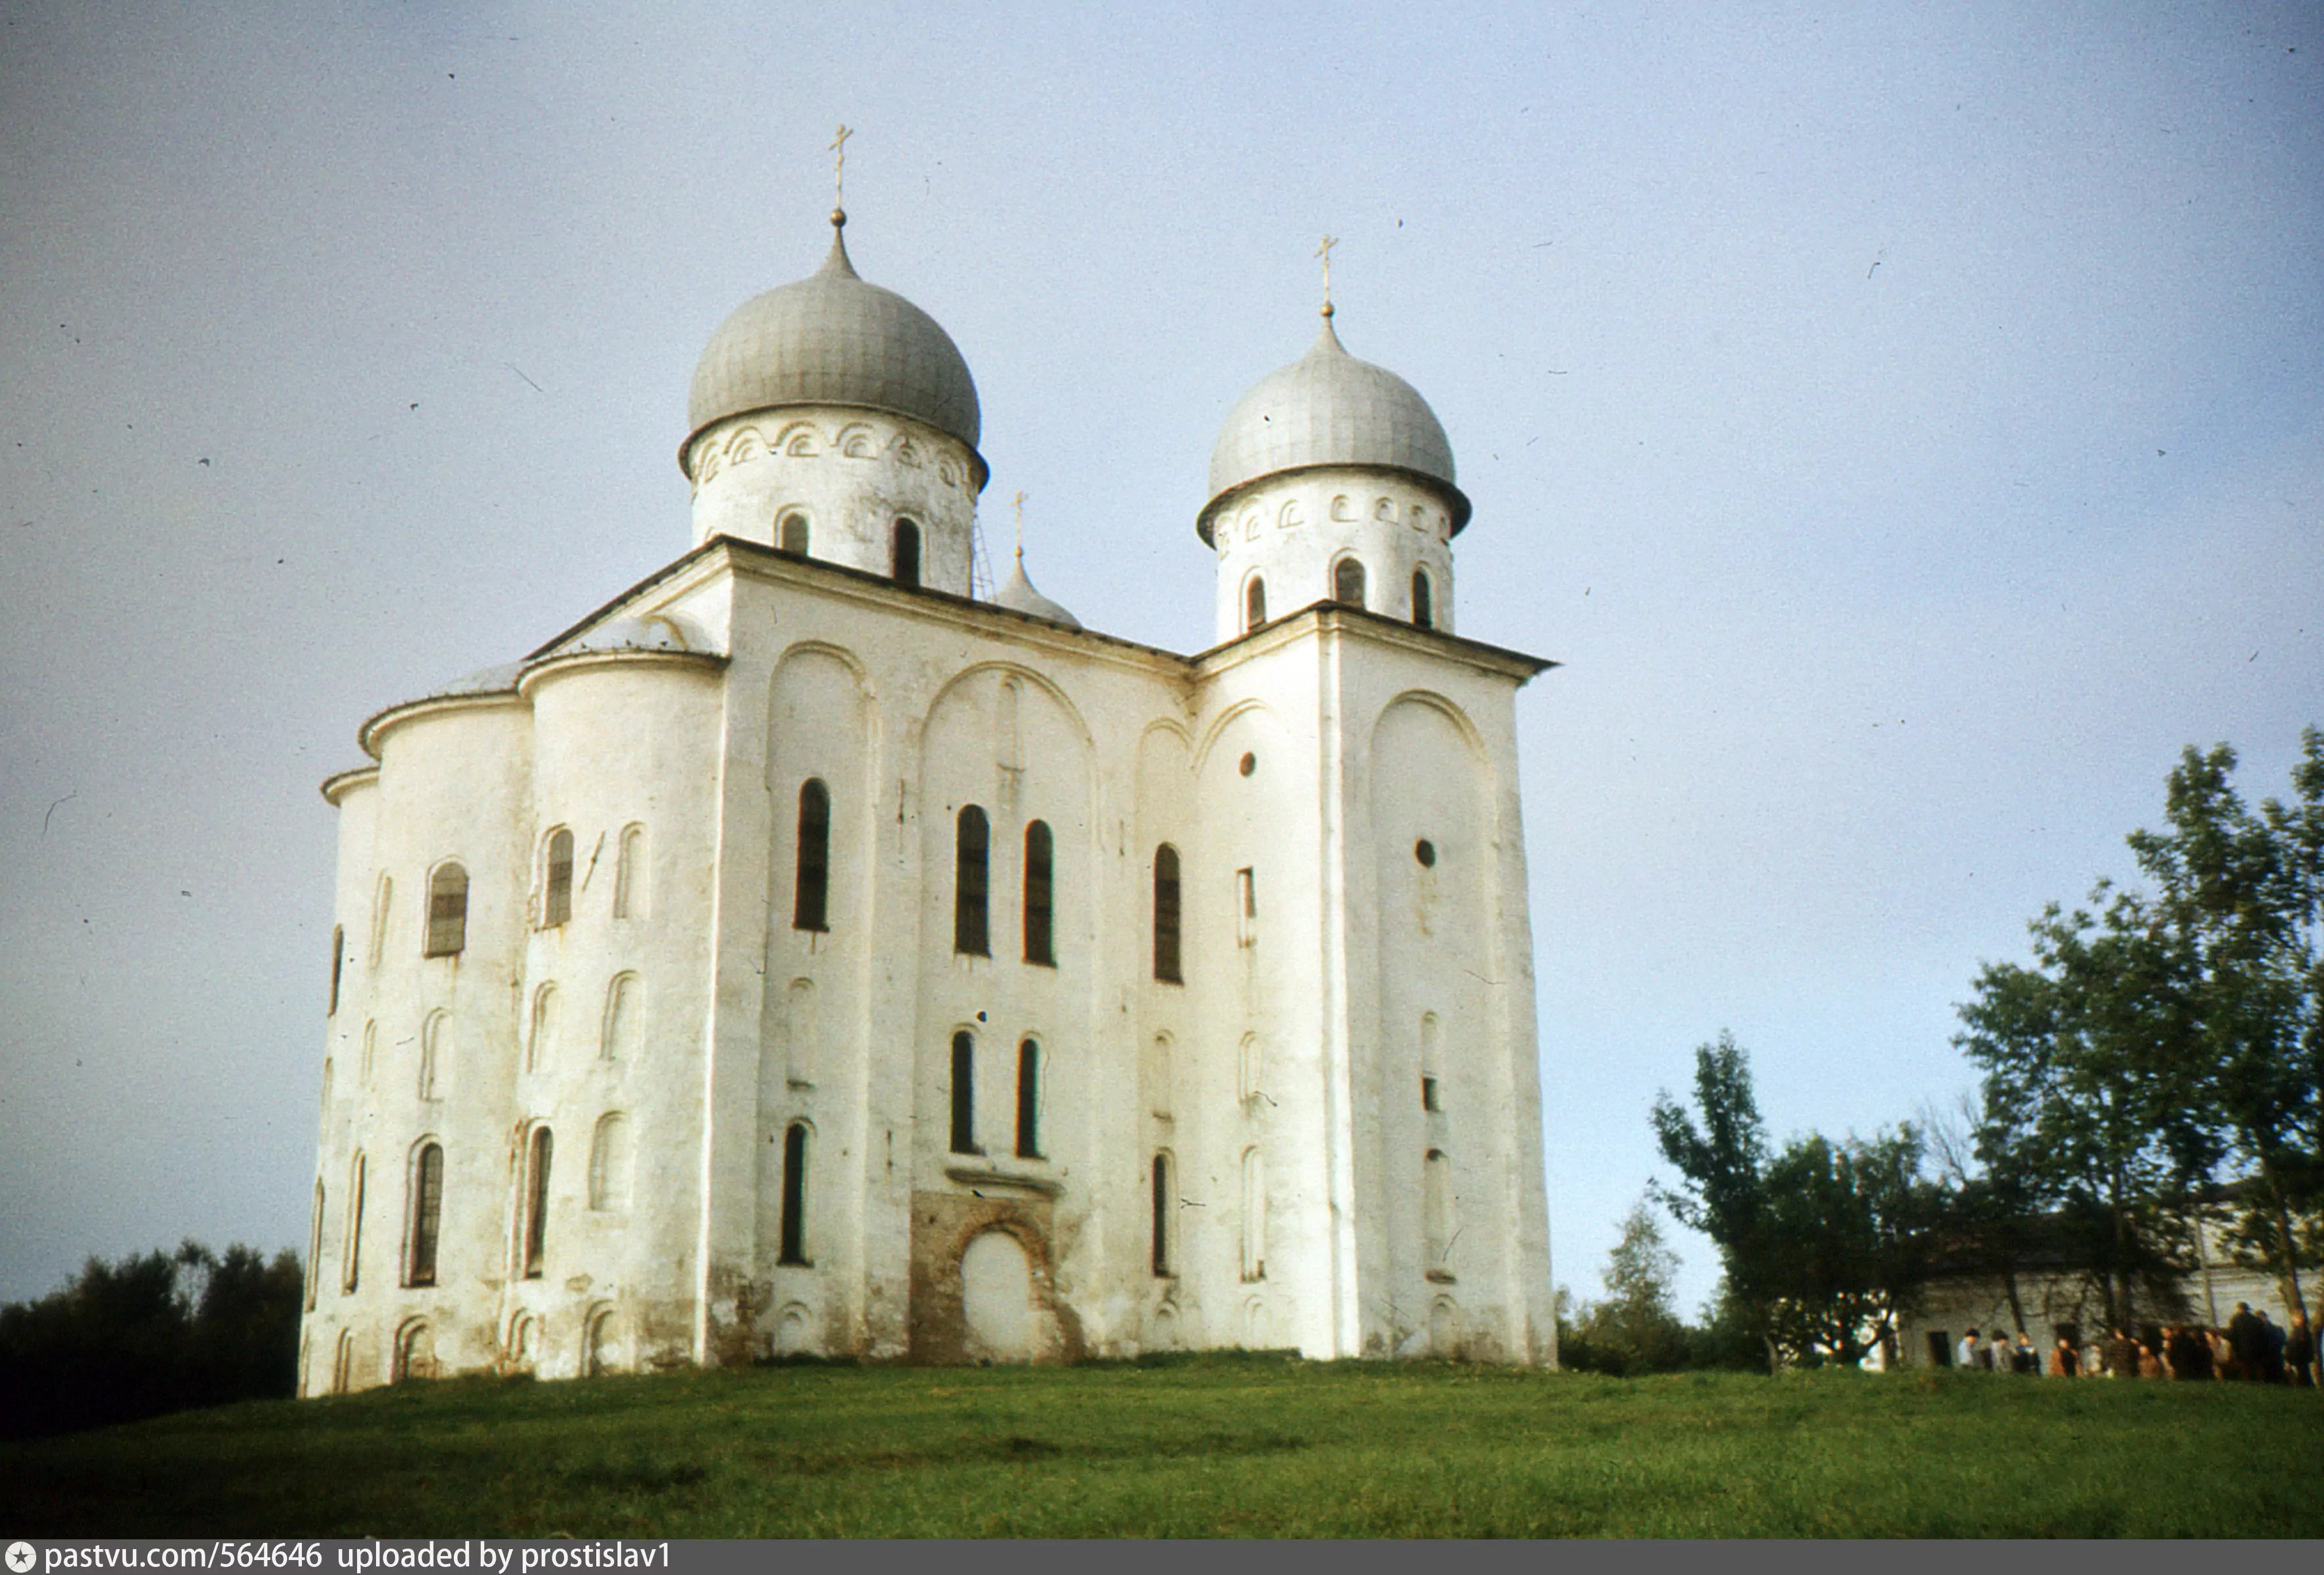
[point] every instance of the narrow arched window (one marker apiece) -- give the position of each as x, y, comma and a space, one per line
343, 1362
1348, 583
351, 1249
1250, 1072
536, 1200
1166, 915
1028, 1099
1161, 1204
905, 559
609, 1164
811, 886
791, 537
557, 884
382, 901
624, 1028
339, 961
970, 933
1436, 1205
541, 1042
435, 1056
448, 911
964, 1092
427, 1214
1423, 600
1254, 603
1040, 895
794, 1220
315, 1247
1254, 1216
629, 874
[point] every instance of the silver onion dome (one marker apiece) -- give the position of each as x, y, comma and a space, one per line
1329, 409
833, 339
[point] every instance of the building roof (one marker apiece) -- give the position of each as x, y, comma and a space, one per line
833, 339
1328, 407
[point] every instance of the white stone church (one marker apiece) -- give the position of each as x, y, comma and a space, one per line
800, 954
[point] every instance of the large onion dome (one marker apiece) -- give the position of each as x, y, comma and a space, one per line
833, 339
1329, 409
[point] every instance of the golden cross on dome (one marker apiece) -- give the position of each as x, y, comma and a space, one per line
839, 173
1324, 251
1018, 502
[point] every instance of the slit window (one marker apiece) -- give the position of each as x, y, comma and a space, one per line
427, 1214
1436, 1200
448, 911
536, 1200
314, 1246
794, 1221
1423, 600
1348, 581
1028, 1099
964, 1092
338, 961
810, 903
629, 874
970, 932
1254, 1216
351, 1260
1246, 907
556, 889
1166, 915
1161, 1207
1254, 603
904, 560
1040, 895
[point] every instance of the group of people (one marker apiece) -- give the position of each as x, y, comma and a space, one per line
2251, 1349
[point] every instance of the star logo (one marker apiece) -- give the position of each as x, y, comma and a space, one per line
21, 1557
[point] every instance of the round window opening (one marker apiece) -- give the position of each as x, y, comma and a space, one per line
1425, 851
1250, 764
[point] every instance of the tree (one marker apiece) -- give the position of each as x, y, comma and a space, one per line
1723, 1165
2085, 1116
155, 1332
1633, 1330
2158, 1038
2241, 894
1824, 1244
1847, 1246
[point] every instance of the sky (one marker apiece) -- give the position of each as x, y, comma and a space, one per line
1904, 424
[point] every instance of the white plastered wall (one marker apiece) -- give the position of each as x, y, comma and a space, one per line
1291, 529
853, 473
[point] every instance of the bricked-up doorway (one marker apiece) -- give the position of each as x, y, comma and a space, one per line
983, 1282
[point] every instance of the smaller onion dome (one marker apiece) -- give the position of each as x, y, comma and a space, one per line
1329, 409
833, 339
1020, 597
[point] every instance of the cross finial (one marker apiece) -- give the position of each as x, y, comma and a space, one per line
1018, 503
839, 175
1324, 251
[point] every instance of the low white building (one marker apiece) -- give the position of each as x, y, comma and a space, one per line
800, 955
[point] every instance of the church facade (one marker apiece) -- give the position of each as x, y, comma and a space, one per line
801, 955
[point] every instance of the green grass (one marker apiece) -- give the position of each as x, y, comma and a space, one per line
1209, 1447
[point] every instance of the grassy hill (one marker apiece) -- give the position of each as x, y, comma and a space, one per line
1207, 1447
